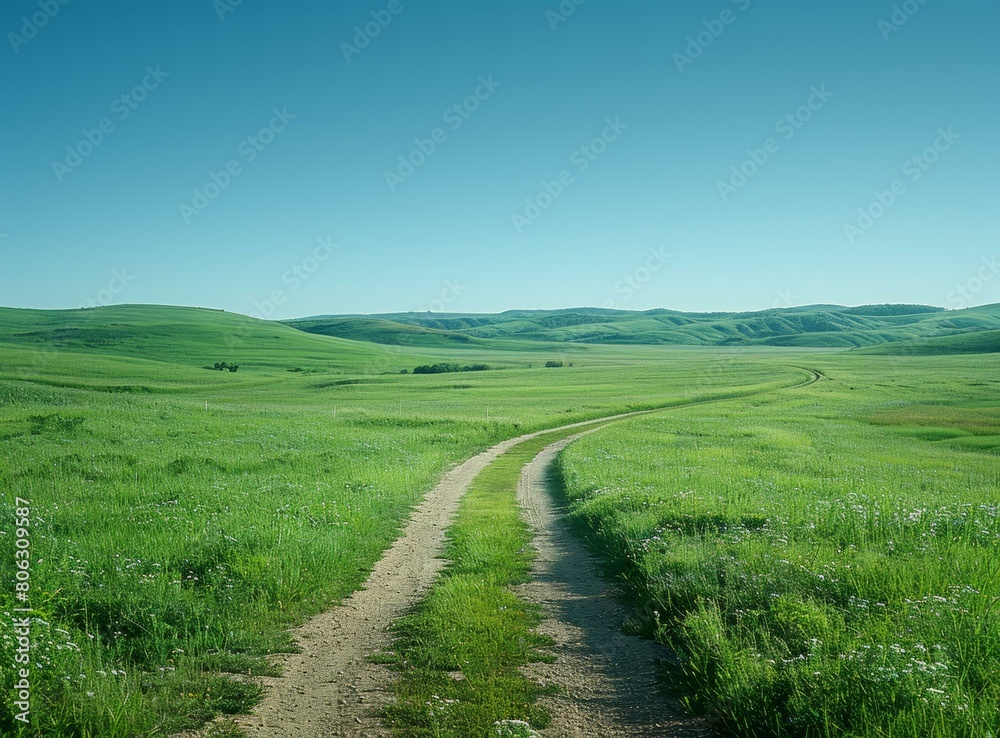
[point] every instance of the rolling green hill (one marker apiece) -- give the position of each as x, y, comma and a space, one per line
981, 342
378, 330
152, 332
830, 326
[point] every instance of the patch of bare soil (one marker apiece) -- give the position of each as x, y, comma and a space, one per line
607, 680
329, 689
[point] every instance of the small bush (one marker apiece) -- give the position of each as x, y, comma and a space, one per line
445, 368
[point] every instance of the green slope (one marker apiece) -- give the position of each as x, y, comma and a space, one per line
152, 332
377, 330
814, 326
981, 342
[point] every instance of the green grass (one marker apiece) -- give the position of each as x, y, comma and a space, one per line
459, 650
184, 518
824, 561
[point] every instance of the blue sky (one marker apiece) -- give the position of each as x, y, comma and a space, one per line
253, 155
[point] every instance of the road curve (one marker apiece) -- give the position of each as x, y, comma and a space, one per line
328, 688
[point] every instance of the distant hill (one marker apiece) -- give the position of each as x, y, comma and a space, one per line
184, 335
980, 342
810, 326
378, 330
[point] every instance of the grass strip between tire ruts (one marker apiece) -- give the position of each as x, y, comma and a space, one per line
459, 650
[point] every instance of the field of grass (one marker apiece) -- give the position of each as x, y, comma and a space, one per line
824, 561
459, 650
181, 518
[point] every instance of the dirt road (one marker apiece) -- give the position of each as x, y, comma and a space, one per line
607, 680
329, 689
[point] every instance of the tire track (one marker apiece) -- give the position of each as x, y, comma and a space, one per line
608, 681
329, 688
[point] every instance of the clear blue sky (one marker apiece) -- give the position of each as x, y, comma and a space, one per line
119, 221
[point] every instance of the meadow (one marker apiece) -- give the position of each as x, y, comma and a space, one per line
181, 518
823, 561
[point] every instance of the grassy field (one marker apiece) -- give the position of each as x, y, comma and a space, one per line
824, 561
181, 518
472, 626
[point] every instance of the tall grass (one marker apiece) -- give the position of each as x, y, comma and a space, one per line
182, 519
823, 562
459, 650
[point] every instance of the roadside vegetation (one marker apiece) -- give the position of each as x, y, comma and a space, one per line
824, 561
182, 519
460, 650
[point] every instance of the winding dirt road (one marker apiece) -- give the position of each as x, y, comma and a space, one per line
329, 689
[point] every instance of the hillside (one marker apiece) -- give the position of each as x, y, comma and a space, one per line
378, 330
816, 326
189, 337
981, 342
